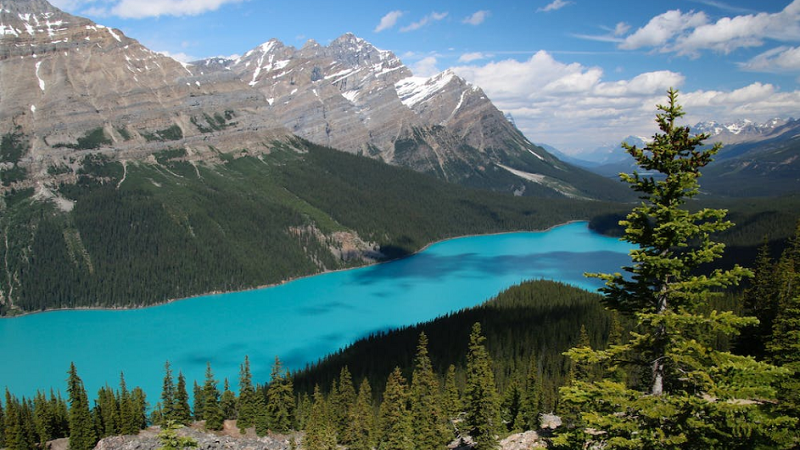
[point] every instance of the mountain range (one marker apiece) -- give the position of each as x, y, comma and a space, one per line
73, 87
756, 159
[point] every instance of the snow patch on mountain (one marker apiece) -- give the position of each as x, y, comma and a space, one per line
41, 81
415, 90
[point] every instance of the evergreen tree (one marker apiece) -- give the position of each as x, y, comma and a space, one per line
760, 301
261, 416
481, 401
342, 402
784, 344
139, 402
212, 413
511, 407
451, 402
246, 411
303, 410
2, 425
199, 402
44, 418
28, 425
81, 426
361, 419
20, 434
228, 402
14, 436
532, 400
280, 399
107, 411
183, 414
320, 434
128, 421
693, 396
394, 423
167, 396
427, 417
60, 415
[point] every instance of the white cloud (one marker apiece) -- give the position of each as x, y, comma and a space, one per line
469, 57
388, 21
555, 5
778, 60
621, 29
576, 107
689, 33
138, 9
425, 67
432, 17
663, 28
477, 18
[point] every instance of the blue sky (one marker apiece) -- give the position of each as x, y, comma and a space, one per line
575, 74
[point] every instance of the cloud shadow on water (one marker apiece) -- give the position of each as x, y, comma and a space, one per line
472, 265
323, 308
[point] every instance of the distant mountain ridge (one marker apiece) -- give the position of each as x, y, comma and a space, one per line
756, 159
79, 88
355, 97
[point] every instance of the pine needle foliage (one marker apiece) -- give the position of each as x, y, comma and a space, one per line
481, 400
691, 395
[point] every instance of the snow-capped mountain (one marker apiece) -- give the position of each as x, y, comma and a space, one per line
742, 130
72, 86
65, 77
353, 96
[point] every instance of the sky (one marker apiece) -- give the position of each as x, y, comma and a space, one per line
574, 74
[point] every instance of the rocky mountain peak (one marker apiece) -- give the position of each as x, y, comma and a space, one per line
28, 6
75, 79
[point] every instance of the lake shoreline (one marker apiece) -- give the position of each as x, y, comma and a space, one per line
255, 288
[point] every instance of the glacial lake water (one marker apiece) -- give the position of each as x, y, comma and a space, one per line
299, 321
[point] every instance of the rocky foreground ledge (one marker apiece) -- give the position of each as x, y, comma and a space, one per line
230, 439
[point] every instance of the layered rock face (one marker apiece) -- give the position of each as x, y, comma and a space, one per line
73, 87
64, 77
355, 97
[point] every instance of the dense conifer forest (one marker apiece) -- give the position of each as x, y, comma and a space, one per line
145, 233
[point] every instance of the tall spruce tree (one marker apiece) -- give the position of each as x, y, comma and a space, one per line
128, 421
280, 399
319, 432
532, 400
183, 413
14, 436
228, 402
212, 412
261, 418
427, 417
361, 419
342, 403
246, 408
481, 400
784, 344
693, 396
3, 425
140, 405
44, 418
81, 425
394, 422
451, 398
167, 396
198, 402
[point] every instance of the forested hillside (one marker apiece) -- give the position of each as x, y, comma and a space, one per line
139, 233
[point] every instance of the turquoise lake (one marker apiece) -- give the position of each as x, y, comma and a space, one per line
299, 321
